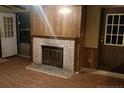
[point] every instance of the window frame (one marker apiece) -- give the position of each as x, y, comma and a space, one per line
111, 34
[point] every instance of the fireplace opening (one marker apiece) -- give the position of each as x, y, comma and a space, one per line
52, 56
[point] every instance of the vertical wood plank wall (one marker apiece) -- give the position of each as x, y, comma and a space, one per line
80, 42
62, 25
90, 58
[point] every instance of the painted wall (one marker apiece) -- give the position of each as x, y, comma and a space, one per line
92, 26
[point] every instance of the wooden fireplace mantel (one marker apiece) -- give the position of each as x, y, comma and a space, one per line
55, 37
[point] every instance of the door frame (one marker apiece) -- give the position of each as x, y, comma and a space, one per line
23, 13
102, 23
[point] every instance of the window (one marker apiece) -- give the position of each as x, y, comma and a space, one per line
114, 30
8, 26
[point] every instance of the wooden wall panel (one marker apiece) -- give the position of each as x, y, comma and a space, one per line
90, 58
79, 49
62, 25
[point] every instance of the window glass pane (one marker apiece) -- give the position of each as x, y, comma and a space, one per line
120, 39
8, 33
5, 30
11, 20
114, 39
7, 20
4, 27
4, 19
122, 19
5, 34
11, 27
115, 29
109, 29
24, 22
8, 27
12, 33
121, 30
108, 39
116, 17
24, 36
110, 19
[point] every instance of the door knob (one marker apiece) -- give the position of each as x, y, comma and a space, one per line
101, 40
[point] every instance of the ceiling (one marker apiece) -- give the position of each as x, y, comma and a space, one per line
14, 6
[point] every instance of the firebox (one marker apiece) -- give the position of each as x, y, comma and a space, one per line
52, 56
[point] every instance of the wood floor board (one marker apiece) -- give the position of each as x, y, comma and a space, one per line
14, 75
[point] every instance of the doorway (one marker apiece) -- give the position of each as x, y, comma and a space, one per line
111, 40
24, 34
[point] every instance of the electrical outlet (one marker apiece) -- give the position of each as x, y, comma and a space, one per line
89, 60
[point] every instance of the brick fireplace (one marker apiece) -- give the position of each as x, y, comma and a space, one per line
68, 51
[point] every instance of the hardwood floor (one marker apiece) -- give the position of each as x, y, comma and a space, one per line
13, 74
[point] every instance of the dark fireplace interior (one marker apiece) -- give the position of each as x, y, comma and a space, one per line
52, 56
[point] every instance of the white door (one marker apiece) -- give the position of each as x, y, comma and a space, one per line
8, 34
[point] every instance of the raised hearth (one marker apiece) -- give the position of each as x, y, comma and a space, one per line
50, 70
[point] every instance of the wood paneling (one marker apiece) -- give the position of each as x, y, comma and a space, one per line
114, 9
52, 37
79, 49
89, 38
56, 24
13, 74
90, 58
